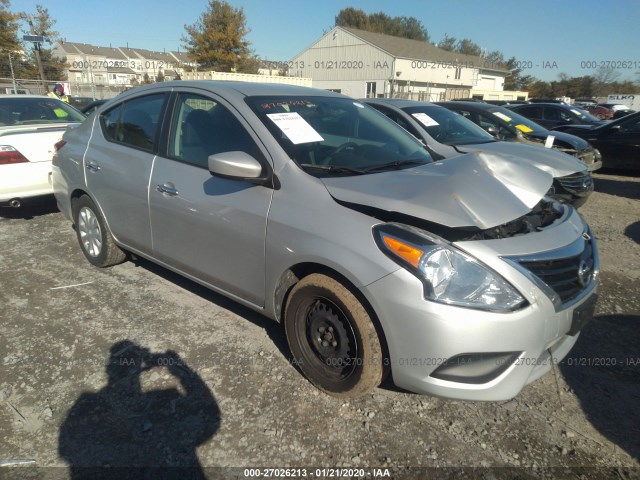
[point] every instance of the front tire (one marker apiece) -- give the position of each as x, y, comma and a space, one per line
332, 337
94, 238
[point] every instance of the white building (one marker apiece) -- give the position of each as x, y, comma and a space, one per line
366, 64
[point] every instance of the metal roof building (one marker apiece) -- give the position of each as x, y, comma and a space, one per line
367, 64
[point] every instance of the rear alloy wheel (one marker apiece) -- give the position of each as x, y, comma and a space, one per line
332, 337
95, 240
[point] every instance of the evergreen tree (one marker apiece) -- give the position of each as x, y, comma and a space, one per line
217, 40
380, 22
10, 43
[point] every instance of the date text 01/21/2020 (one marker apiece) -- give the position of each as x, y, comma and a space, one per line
375, 64
316, 472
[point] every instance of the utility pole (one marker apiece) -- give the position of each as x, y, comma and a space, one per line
36, 40
13, 76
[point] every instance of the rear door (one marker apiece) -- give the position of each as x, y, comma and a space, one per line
118, 166
209, 227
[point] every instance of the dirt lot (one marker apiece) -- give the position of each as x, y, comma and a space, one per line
226, 394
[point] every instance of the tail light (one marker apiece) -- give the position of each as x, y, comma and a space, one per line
9, 155
56, 149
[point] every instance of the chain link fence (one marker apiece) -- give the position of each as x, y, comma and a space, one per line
37, 87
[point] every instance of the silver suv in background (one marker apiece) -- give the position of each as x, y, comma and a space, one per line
461, 278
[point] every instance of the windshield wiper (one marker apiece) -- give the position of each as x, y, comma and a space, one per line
397, 164
333, 168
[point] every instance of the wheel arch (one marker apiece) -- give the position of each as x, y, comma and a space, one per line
73, 199
297, 272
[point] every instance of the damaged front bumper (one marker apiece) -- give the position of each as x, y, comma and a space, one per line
470, 354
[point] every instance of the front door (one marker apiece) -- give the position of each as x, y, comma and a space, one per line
209, 227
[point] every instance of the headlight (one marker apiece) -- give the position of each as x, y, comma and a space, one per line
449, 275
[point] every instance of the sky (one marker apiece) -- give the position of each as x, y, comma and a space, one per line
547, 37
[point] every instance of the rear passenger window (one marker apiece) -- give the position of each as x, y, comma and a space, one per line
531, 112
134, 122
203, 127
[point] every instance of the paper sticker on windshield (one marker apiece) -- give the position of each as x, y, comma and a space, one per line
295, 127
359, 105
425, 119
502, 116
549, 141
576, 112
524, 128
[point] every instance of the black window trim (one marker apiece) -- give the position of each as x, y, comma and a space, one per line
269, 179
159, 126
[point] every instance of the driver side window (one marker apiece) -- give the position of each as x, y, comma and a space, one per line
203, 127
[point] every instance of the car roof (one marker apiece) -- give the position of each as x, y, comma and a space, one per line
397, 102
470, 105
11, 95
248, 89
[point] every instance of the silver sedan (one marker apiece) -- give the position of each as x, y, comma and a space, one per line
461, 278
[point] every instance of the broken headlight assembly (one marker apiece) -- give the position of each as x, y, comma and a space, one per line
449, 275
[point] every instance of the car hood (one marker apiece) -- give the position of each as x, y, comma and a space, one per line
477, 189
556, 163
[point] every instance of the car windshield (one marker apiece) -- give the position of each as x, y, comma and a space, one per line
336, 135
448, 127
515, 120
32, 111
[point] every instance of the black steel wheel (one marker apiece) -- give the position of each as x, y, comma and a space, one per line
332, 337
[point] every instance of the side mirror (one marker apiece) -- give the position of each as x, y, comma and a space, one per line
236, 165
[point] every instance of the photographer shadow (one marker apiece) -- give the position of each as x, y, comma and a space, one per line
124, 432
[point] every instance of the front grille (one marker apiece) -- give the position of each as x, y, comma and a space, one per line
576, 183
567, 277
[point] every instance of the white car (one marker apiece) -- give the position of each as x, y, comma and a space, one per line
30, 125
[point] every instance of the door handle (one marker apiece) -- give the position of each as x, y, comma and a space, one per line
94, 167
167, 188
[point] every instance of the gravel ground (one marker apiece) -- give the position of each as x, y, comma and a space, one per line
228, 396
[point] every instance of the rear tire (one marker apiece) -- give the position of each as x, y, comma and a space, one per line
332, 337
94, 238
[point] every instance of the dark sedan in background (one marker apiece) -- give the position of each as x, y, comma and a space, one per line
505, 124
618, 141
552, 115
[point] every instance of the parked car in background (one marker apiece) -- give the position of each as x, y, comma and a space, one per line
317, 211
91, 107
615, 106
552, 115
547, 100
30, 125
507, 102
622, 113
618, 141
599, 111
448, 134
79, 102
584, 101
505, 124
